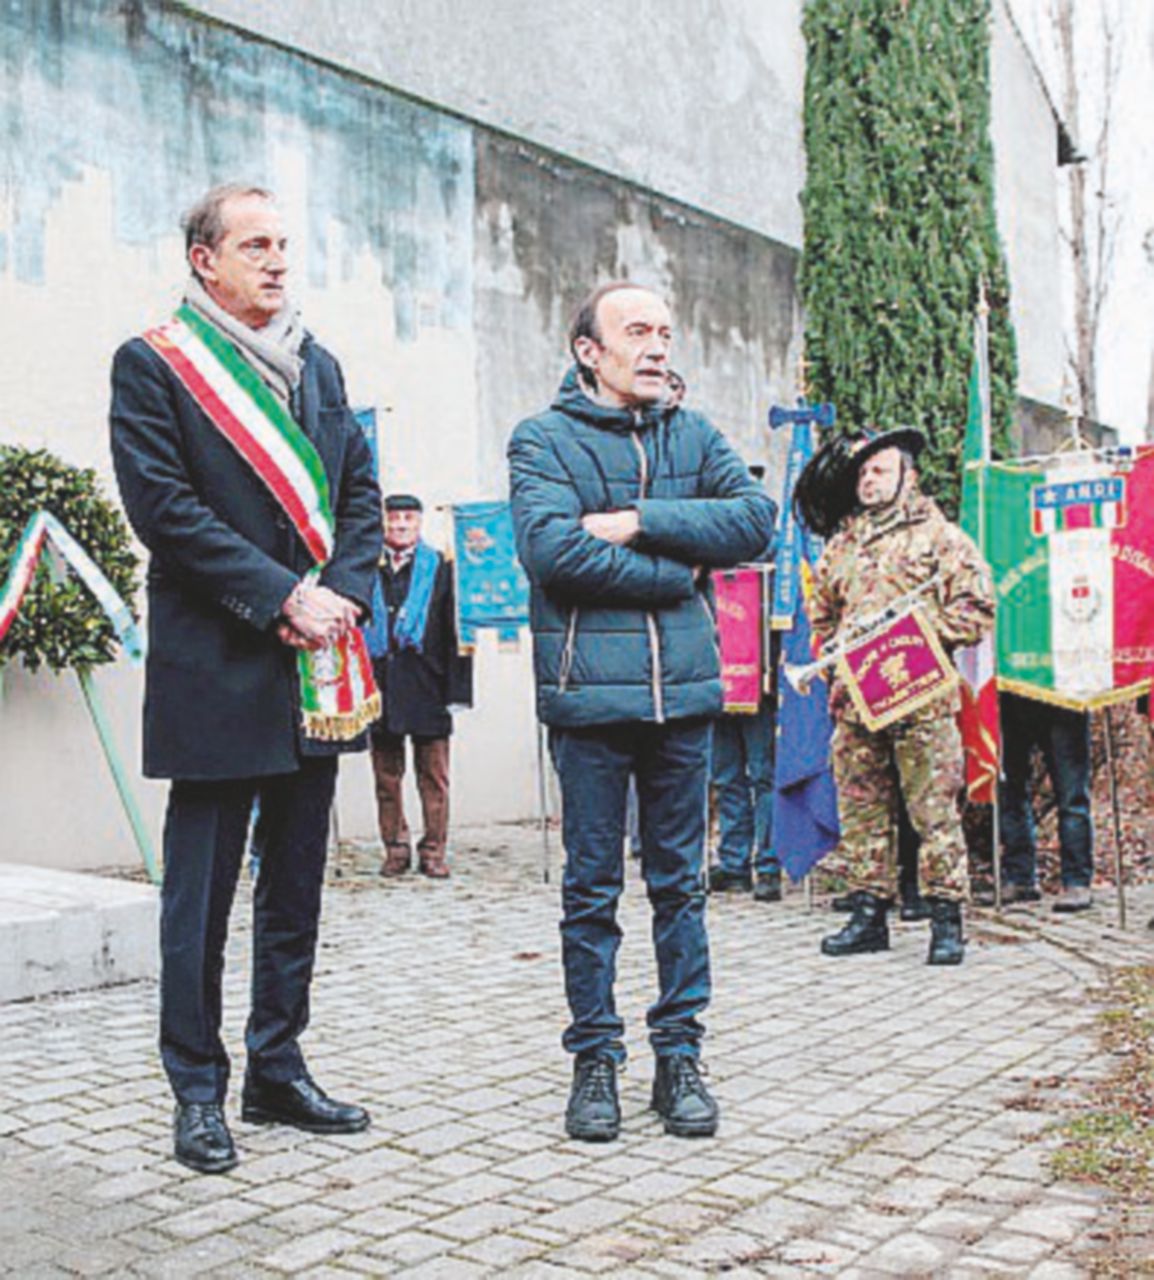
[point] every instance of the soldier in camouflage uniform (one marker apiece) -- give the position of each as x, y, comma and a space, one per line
892, 540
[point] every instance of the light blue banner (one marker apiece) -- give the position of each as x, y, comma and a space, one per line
492, 589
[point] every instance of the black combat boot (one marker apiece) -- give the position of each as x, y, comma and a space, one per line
845, 902
593, 1114
681, 1099
722, 881
914, 907
767, 887
947, 946
865, 930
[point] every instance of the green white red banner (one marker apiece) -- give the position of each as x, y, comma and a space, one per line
1070, 541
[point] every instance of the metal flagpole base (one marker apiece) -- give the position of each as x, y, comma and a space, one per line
1113, 775
543, 803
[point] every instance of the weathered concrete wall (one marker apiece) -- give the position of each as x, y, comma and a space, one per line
547, 229
697, 99
438, 261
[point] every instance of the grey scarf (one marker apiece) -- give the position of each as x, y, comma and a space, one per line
274, 351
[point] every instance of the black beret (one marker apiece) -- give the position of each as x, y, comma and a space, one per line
403, 502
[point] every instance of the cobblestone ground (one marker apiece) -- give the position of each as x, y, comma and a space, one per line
877, 1115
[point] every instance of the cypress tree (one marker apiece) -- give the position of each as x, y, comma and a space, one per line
900, 231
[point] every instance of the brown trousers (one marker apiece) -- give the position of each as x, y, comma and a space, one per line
432, 762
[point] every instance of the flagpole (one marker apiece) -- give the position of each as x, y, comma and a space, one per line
983, 343
1118, 868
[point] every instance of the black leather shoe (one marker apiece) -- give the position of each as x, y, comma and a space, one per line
681, 1099
915, 908
767, 887
865, 930
947, 946
201, 1139
845, 902
593, 1113
300, 1103
722, 881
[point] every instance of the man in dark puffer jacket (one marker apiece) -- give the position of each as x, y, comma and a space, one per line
620, 504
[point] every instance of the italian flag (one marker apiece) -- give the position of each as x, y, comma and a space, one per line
1071, 544
978, 718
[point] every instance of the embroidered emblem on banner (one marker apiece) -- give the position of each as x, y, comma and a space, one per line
896, 671
1078, 504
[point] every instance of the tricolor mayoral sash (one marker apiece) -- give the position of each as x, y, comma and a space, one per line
338, 695
896, 670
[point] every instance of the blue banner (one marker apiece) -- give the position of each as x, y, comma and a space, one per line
795, 542
805, 815
367, 421
805, 818
492, 589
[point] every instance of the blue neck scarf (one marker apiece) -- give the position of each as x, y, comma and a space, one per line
412, 616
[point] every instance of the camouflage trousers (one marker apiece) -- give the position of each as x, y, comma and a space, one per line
922, 755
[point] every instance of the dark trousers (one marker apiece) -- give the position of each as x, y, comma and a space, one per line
431, 757
204, 842
671, 765
1064, 739
743, 775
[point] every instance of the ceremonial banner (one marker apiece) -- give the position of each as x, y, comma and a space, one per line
805, 817
492, 589
892, 674
795, 541
1071, 545
739, 598
367, 421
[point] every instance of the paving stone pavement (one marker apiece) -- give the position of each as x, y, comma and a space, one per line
875, 1118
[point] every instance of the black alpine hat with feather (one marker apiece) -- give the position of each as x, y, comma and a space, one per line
826, 490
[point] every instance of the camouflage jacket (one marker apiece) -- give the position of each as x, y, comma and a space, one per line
879, 556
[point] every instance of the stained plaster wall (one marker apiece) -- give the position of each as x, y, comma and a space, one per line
437, 260
697, 99
700, 100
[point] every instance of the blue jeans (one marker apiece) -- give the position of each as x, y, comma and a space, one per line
1064, 739
743, 775
670, 762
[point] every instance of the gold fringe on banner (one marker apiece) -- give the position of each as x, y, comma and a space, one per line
1052, 698
343, 728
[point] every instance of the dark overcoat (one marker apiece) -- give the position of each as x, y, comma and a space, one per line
418, 687
221, 690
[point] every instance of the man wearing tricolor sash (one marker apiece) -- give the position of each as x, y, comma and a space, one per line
246, 476
897, 589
